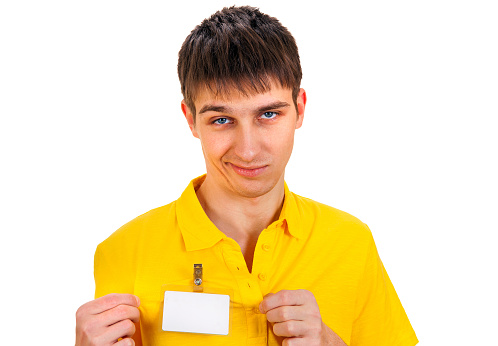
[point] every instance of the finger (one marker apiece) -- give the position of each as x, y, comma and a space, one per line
261, 306
119, 313
285, 297
123, 329
297, 341
125, 342
290, 328
110, 301
285, 313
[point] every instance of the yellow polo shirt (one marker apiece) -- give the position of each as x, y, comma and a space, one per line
311, 246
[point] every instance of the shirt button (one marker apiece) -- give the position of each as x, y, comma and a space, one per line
262, 276
266, 247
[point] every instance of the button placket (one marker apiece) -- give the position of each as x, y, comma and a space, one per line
250, 293
262, 257
247, 284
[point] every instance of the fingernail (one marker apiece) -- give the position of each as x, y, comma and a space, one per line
138, 300
261, 308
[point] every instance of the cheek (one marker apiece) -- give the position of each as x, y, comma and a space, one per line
215, 146
289, 146
282, 144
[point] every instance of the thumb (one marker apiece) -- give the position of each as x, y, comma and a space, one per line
261, 308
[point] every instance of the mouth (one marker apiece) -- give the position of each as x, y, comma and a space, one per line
249, 172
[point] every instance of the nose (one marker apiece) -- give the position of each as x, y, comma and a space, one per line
247, 143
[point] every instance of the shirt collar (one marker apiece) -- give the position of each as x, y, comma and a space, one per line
292, 214
199, 232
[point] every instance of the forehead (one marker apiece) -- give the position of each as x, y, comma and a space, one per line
234, 97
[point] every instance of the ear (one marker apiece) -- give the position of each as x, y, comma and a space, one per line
301, 104
190, 118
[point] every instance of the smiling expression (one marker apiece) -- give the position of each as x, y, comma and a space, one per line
246, 140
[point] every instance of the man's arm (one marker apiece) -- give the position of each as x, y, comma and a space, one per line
296, 317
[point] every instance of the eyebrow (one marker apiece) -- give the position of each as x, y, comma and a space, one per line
224, 109
274, 105
213, 108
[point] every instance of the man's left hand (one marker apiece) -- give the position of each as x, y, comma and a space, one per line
296, 317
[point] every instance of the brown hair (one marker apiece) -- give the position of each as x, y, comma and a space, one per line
238, 48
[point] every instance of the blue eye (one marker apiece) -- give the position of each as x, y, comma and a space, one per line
220, 121
269, 115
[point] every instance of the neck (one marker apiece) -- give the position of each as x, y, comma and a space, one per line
237, 216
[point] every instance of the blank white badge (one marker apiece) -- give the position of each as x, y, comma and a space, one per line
196, 312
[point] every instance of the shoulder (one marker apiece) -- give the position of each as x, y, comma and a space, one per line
129, 234
327, 220
311, 209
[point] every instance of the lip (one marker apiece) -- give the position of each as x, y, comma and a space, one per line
248, 171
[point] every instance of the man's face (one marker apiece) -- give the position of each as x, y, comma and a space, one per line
246, 140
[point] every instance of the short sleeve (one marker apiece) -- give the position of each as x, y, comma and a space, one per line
112, 275
115, 260
379, 316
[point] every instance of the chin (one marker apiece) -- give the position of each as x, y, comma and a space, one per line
253, 189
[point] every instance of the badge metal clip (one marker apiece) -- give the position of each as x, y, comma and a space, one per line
198, 278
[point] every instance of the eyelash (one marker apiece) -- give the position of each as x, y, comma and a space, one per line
275, 113
216, 121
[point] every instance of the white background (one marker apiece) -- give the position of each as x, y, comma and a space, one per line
400, 131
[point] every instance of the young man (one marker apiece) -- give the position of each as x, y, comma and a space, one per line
300, 272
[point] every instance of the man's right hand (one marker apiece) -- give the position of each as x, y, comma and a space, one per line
107, 319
